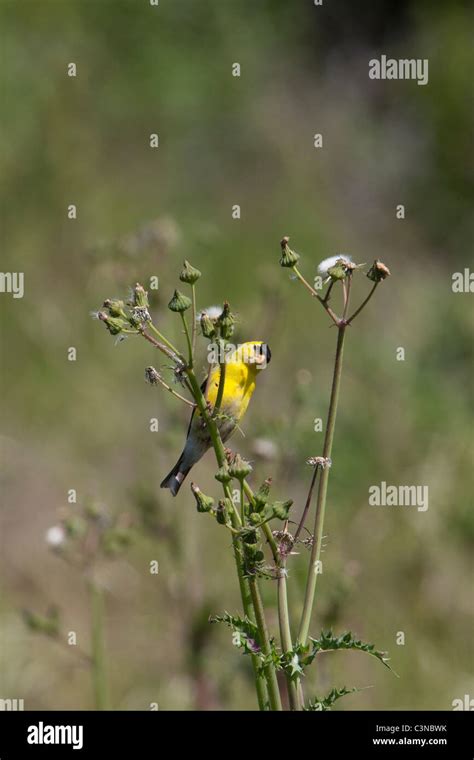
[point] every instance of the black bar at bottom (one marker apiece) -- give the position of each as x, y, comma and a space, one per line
156, 734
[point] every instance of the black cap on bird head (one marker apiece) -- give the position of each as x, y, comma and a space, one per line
254, 352
263, 355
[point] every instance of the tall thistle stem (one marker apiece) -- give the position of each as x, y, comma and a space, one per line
322, 492
294, 688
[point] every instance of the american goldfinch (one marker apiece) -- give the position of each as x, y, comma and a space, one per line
242, 368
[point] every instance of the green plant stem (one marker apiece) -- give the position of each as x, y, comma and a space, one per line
98, 647
264, 697
165, 341
328, 291
193, 311
220, 390
188, 341
259, 675
322, 301
167, 387
210, 422
171, 354
347, 294
270, 672
294, 687
322, 492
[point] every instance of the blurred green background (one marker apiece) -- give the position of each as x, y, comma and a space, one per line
85, 424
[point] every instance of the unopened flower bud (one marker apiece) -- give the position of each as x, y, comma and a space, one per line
250, 537
179, 302
226, 322
115, 307
288, 257
338, 271
189, 274
336, 267
378, 271
114, 325
253, 554
240, 468
223, 510
281, 509
207, 326
261, 497
223, 475
139, 296
203, 503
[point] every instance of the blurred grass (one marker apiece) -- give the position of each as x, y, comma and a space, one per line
84, 425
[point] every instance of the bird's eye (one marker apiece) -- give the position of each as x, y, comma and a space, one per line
262, 354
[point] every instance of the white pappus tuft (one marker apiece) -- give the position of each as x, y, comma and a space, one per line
330, 262
213, 312
55, 536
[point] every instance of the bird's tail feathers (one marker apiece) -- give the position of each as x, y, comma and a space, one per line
175, 478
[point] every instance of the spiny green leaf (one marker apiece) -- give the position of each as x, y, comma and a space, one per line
274, 657
279, 509
327, 702
245, 632
328, 642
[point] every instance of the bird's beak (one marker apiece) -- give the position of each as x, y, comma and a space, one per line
263, 358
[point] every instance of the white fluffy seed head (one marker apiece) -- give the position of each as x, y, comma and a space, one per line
55, 536
213, 312
330, 262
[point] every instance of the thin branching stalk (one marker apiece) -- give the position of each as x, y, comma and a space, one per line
210, 422
294, 687
193, 313
164, 340
322, 301
188, 341
285, 633
328, 292
242, 503
307, 504
158, 379
347, 295
322, 492
220, 390
170, 353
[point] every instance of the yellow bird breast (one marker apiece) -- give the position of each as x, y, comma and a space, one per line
239, 386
